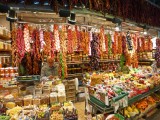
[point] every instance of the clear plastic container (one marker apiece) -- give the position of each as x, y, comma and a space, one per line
53, 97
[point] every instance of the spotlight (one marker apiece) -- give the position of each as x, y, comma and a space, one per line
118, 27
72, 19
36, 2
12, 16
64, 13
145, 31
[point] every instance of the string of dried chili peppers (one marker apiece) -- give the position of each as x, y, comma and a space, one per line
26, 38
119, 44
70, 42
74, 38
41, 37
52, 45
63, 50
20, 44
106, 43
47, 46
14, 48
114, 43
109, 44
56, 37
78, 37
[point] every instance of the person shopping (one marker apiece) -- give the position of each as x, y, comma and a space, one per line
49, 70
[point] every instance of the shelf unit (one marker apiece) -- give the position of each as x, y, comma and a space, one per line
100, 106
76, 69
5, 50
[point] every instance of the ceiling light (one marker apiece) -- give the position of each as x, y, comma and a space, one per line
46, 2
36, 2
21, 1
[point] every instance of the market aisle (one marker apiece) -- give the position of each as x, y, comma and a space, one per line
80, 106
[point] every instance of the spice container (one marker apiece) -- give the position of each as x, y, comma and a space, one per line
19, 101
44, 99
53, 97
1, 71
28, 100
36, 101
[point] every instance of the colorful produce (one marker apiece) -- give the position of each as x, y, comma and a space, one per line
56, 116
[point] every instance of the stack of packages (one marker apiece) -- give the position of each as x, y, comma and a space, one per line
70, 89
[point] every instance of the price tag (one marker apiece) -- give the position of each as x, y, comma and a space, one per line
106, 100
116, 106
125, 101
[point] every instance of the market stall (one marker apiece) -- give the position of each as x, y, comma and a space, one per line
116, 67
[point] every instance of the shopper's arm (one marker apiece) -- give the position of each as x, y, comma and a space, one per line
56, 70
43, 75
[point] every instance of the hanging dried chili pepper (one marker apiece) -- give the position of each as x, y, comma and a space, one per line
14, 48
56, 37
20, 44
69, 43
109, 44
119, 44
150, 44
114, 44
106, 43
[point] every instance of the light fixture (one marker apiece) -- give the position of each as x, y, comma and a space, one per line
21, 1
72, 18
46, 2
118, 27
36, 2
64, 13
145, 31
12, 16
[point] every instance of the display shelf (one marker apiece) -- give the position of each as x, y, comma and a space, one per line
141, 96
4, 37
8, 88
75, 75
3, 50
99, 105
